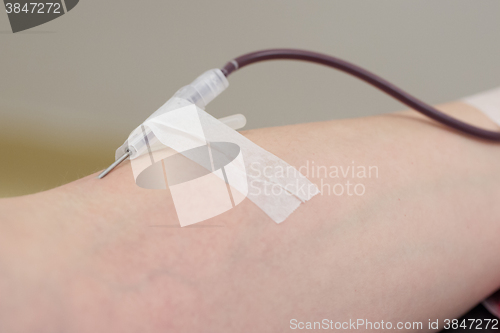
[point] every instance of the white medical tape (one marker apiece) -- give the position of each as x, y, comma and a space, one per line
203, 152
487, 102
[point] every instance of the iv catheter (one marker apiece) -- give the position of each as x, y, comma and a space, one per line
236, 122
210, 84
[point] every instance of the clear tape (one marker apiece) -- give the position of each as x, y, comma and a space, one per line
488, 102
210, 168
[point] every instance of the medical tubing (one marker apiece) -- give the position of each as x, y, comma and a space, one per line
378, 82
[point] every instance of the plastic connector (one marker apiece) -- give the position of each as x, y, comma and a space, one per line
200, 92
205, 88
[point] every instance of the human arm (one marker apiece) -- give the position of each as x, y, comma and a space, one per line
419, 244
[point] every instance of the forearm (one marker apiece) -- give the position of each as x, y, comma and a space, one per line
419, 244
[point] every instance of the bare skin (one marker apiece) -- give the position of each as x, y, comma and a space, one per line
421, 243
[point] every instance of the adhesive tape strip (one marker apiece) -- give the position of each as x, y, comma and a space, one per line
488, 102
210, 168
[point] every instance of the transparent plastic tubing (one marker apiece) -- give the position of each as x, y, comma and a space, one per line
363, 74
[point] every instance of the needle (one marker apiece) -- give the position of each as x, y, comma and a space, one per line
236, 122
115, 164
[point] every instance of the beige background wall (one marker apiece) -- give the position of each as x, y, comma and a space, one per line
72, 89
